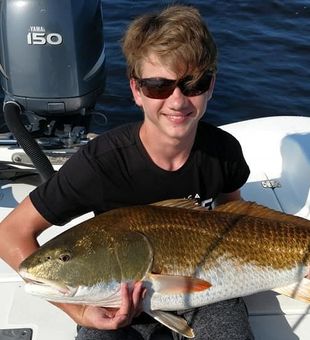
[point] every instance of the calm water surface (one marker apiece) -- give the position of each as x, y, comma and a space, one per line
264, 58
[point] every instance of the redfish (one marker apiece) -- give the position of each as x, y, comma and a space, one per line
186, 256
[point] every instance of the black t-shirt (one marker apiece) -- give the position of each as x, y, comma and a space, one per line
114, 170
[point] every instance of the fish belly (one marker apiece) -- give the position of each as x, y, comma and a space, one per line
228, 281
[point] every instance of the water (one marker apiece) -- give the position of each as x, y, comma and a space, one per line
264, 59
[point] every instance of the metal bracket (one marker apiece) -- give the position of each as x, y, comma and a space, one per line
56, 158
271, 184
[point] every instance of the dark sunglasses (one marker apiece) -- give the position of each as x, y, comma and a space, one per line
162, 88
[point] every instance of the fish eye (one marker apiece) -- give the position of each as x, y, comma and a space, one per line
64, 257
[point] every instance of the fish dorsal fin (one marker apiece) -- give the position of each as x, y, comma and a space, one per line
173, 322
185, 203
256, 210
299, 291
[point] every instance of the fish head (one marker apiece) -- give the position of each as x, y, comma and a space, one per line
64, 271
48, 272
80, 268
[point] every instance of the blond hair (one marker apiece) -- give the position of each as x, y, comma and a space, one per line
177, 36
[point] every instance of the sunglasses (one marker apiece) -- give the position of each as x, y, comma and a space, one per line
162, 88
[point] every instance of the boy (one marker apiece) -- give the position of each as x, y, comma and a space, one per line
171, 59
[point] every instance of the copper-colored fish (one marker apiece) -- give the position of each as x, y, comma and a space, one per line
186, 255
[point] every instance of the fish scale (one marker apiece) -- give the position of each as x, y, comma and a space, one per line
186, 256
208, 236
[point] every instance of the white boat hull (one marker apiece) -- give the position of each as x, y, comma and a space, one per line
277, 150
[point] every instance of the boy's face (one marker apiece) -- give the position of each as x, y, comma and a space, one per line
177, 115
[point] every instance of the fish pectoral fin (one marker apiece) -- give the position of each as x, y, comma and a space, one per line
173, 322
172, 284
299, 291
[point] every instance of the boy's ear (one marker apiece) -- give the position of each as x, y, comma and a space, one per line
136, 92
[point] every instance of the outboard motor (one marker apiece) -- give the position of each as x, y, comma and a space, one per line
52, 62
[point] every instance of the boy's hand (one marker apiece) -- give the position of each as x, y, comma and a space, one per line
109, 318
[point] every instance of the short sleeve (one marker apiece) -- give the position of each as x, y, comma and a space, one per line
70, 192
235, 169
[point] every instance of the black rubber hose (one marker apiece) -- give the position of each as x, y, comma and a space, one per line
11, 113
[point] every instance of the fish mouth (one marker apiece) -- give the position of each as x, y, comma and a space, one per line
40, 286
